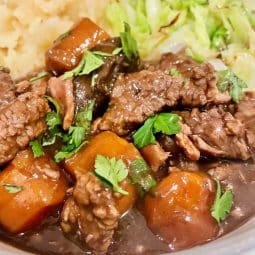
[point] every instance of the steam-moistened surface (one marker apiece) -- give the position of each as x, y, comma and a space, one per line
104, 153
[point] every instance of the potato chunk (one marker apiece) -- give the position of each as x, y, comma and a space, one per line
110, 145
67, 51
179, 209
41, 188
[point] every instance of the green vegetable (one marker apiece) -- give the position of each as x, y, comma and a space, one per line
39, 76
222, 203
141, 176
144, 135
166, 123
174, 72
129, 44
112, 170
228, 81
37, 148
219, 38
117, 51
77, 134
12, 188
205, 28
90, 62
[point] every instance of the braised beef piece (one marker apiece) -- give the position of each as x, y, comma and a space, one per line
7, 88
200, 77
246, 114
213, 133
104, 78
62, 91
21, 116
90, 213
137, 96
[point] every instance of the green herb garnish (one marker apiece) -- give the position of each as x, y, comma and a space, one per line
222, 203
13, 189
37, 148
174, 72
90, 62
39, 76
113, 171
75, 138
166, 123
117, 51
129, 44
228, 81
141, 176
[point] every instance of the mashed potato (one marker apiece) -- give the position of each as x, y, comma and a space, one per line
28, 27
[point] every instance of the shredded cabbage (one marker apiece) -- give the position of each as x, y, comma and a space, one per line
207, 29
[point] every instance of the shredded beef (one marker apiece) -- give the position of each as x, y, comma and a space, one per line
90, 213
214, 133
154, 155
246, 114
137, 96
20, 122
199, 78
62, 92
21, 115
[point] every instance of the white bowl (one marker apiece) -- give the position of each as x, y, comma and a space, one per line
239, 242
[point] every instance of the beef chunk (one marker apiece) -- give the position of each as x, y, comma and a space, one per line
201, 77
62, 92
90, 213
21, 115
212, 133
104, 77
138, 95
246, 114
7, 88
155, 156
20, 122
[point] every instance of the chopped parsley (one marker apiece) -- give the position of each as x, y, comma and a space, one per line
76, 136
174, 72
228, 81
141, 176
112, 171
72, 140
129, 44
90, 62
13, 189
222, 203
37, 148
39, 76
166, 123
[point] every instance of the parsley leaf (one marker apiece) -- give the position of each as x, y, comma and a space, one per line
144, 135
174, 72
116, 51
228, 81
76, 136
13, 189
219, 37
141, 175
129, 44
112, 170
90, 62
37, 148
39, 76
166, 123
222, 203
